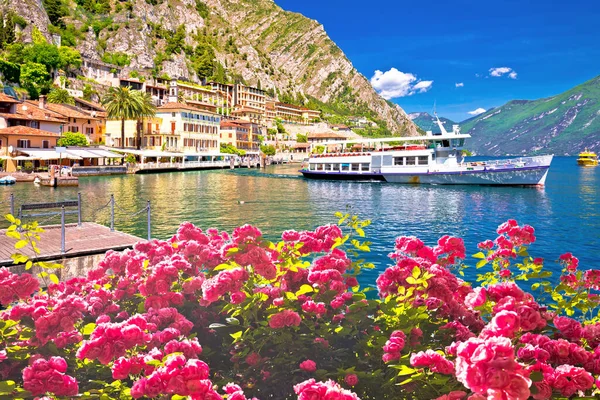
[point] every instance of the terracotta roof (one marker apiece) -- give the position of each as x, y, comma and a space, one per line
230, 124
69, 111
325, 135
42, 114
4, 98
26, 131
91, 104
177, 106
301, 145
201, 103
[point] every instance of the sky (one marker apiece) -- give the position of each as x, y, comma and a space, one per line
463, 56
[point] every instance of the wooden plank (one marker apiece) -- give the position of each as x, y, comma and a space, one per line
58, 204
89, 238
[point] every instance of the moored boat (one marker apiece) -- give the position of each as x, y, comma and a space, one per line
429, 159
587, 158
8, 180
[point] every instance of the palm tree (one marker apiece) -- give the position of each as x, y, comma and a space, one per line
60, 96
124, 103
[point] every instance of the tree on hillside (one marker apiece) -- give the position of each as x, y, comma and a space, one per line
300, 138
72, 139
69, 57
56, 10
123, 104
60, 96
34, 78
45, 54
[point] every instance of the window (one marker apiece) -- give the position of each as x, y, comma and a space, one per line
73, 129
364, 167
24, 144
422, 160
410, 161
319, 167
172, 114
327, 167
398, 160
45, 144
89, 131
345, 167
35, 124
355, 167
0, 142
335, 167
229, 138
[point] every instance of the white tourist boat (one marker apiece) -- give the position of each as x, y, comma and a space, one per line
429, 159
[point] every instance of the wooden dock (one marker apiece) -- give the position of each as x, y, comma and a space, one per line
89, 239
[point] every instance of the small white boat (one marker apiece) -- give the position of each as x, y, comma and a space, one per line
429, 159
8, 180
37, 180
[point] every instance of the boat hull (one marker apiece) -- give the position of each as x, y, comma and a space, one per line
534, 176
587, 163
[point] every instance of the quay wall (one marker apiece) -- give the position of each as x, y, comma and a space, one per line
100, 170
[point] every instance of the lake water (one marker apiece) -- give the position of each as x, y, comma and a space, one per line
565, 213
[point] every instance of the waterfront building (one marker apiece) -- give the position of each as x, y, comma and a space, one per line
249, 114
149, 133
217, 96
189, 129
235, 134
293, 114
158, 92
325, 137
270, 112
255, 131
246, 97
16, 140
29, 113
79, 120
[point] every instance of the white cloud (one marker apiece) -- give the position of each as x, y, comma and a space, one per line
393, 83
459, 84
477, 111
501, 71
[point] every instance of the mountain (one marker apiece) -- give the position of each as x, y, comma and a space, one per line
428, 123
563, 124
250, 41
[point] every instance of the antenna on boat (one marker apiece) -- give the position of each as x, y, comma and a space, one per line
437, 120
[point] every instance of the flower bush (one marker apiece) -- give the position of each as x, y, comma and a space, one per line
209, 315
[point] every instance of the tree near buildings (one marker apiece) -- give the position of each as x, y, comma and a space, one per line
69, 58
72, 139
123, 103
268, 149
35, 78
60, 96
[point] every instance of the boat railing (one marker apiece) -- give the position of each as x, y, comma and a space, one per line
514, 162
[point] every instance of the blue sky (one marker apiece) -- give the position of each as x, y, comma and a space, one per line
546, 47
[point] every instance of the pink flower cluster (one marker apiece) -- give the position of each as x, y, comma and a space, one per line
432, 360
14, 287
235, 392
177, 376
229, 281
308, 366
488, 367
330, 390
284, 318
394, 346
111, 340
328, 271
49, 376
321, 240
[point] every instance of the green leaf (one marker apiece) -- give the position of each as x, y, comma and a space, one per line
217, 325
236, 335
404, 382
7, 386
411, 280
536, 376
405, 370
224, 267
233, 321
479, 255
20, 244
13, 234
535, 286
481, 263
88, 328
360, 232
54, 278
10, 218
304, 289
416, 272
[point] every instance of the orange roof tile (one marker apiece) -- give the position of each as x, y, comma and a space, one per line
178, 106
246, 109
69, 111
26, 131
31, 110
91, 104
4, 98
325, 135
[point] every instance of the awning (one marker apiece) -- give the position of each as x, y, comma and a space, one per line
49, 154
93, 153
105, 154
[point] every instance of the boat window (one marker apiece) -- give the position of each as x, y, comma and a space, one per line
335, 167
410, 160
364, 167
327, 167
445, 143
398, 160
312, 167
422, 160
461, 142
355, 167
433, 156
345, 167
319, 167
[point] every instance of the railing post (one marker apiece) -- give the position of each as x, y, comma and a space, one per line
149, 226
62, 230
12, 204
79, 209
112, 212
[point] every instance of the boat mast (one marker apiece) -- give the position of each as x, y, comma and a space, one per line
442, 129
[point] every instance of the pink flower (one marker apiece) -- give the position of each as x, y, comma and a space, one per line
568, 380
569, 262
351, 379
312, 390
284, 318
476, 298
454, 395
308, 366
432, 360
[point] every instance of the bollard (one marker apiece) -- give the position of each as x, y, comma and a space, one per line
62, 230
12, 204
112, 212
149, 227
79, 209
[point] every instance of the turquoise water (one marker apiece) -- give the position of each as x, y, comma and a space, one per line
565, 213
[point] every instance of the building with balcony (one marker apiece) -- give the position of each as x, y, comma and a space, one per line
189, 129
249, 97
101, 72
150, 136
235, 134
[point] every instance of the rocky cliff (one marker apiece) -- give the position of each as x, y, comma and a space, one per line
253, 41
